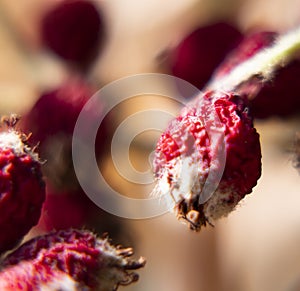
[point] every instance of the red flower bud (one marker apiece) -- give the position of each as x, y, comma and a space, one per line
68, 260
22, 189
185, 156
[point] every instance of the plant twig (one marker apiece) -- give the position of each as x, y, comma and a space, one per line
262, 64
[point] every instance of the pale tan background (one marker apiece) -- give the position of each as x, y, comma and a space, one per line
257, 248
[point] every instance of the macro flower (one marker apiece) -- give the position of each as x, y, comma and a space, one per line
188, 151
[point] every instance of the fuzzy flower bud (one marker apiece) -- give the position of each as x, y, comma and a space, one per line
51, 121
195, 58
68, 260
22, 189
74, 30
185, 154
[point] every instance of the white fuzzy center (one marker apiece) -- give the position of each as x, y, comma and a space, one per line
185, 174
11, 140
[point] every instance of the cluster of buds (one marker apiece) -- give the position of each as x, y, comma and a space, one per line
211, 53
251, 82
67, 259
64, 260
74, 30
212, 144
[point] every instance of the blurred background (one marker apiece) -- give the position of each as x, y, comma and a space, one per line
257, 247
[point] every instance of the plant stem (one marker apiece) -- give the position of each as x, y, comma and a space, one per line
262, 64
